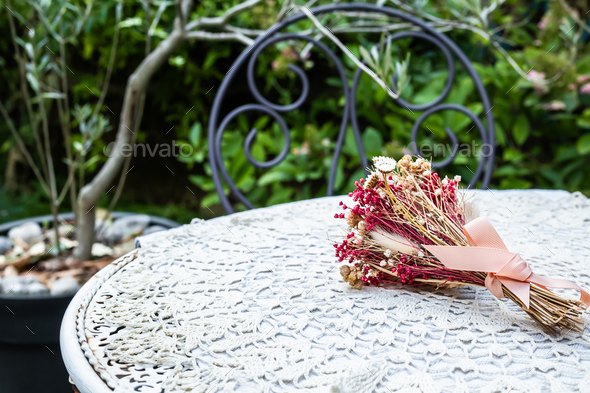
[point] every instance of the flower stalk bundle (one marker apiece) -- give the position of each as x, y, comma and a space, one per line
409, 227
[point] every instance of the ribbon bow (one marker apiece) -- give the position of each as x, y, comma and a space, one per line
489, 254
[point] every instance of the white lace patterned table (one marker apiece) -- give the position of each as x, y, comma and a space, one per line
254, 302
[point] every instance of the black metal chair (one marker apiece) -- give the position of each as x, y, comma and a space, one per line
449, 49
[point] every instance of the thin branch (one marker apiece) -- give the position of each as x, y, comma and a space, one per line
23, 148
223, 19
64, 114
148, 37
285, 8
156, 20
206, 36
25, 92
64, 190
107, 79
346, 51
246, 32
49, 157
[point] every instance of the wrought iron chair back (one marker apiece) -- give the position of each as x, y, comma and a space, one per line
218, 126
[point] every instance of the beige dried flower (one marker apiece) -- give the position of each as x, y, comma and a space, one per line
372, 181
344, 270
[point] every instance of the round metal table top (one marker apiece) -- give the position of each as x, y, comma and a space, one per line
254, 302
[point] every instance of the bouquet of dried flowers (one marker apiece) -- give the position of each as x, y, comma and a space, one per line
409, 227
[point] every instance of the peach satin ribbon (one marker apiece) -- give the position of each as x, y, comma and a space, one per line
489, 254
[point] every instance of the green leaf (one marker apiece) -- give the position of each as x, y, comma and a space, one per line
78, 147
129, 22
372, 140
583, 144
552, 176
91, 161
500, 135
281, 195
512, 182
177, 61
274, 177
195, 134
30, 50
366, 56
52, 95
521, 130
566, 154
210, 59
209, 200
33, 81
204, 183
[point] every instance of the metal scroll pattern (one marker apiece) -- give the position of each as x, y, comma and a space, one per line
217, 126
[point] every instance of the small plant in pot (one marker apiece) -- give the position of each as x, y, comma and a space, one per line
47, 259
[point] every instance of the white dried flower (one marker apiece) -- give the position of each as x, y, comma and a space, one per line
457, 178
426, 173
387, 253
437, 192
392, 241
383, 263
384, 164
445, 180
362, 225
471, 211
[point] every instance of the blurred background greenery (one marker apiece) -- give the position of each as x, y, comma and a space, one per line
542, 129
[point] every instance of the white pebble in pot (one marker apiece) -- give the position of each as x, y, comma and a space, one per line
37, 289
64, 286
5, 244
125, 227
27, 232
18, 285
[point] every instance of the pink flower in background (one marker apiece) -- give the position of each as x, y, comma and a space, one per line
583, 78
543, 23
585, 89
537, 77
572, 86
554, 106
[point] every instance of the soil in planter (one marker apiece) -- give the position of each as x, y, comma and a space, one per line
32, 265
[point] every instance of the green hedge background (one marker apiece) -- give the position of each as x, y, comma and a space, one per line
543, 131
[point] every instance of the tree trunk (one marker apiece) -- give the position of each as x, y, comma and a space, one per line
91, 192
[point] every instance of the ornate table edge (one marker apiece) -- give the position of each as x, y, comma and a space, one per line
80, 362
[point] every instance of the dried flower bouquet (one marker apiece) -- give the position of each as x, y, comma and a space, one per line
409, 227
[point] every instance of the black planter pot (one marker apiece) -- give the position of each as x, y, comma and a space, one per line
30, 357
